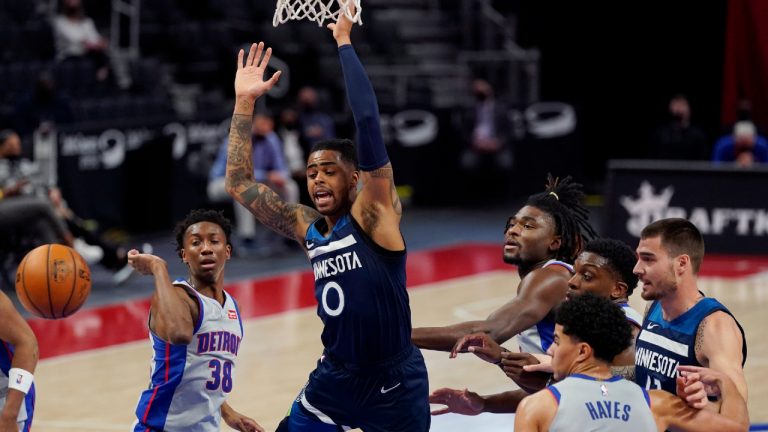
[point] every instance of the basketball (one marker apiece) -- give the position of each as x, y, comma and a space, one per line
53, 281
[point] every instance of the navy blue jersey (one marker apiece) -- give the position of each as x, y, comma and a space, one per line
663, 345
360, 292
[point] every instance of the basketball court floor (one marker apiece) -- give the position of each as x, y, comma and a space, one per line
96, 362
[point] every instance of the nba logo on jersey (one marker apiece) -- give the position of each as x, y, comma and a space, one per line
232, 314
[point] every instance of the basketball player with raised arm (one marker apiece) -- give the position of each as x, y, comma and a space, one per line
195, 330
18, 359
370, 376
590, 332
542, 239
682, 326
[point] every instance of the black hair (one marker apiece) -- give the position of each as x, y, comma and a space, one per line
678, 237
561, 199
345, 147
201, 215
621, 259
598, 322
5, 134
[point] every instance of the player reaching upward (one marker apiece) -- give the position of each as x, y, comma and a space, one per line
195, 330
370, 375
18, 359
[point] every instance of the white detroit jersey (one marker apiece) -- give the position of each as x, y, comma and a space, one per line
587, 404
537, 339
189, 383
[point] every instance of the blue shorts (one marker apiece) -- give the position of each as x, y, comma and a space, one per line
391, 396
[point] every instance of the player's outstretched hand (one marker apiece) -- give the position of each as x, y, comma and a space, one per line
481, 344
513, 364
343, 27
544, 364
144, 263
249, 79
695, 383
242, 423
462, 402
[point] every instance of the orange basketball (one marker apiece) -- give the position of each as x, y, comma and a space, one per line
53, 281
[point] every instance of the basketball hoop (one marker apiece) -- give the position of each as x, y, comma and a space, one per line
316, 10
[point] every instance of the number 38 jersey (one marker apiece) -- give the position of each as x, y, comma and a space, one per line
189, 383
360, 292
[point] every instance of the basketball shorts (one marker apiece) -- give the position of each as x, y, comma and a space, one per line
390, 396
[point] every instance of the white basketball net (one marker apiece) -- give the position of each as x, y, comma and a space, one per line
315, 10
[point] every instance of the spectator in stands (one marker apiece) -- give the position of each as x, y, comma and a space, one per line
678, 138
294, 155
27, 196
744, 146
269, 167
489, 127
314, 124
43, 107
19, 211
75, 35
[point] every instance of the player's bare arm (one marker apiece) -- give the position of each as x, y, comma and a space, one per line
535, 412
466, 402
237, 421
173, 313
377, 207
290, 220
719, 347
672, 412
539, 293
16, 331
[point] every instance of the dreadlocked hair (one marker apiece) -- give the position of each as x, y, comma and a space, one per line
562, 199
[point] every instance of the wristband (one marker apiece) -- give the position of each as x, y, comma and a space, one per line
20, 380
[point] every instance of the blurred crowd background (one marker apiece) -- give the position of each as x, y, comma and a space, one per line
114, 114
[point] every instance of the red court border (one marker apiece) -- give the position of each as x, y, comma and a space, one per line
126, 322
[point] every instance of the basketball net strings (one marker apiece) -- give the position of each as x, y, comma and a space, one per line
315, 10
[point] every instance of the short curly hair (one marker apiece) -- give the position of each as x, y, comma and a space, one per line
621, 259
598, 322
201, 215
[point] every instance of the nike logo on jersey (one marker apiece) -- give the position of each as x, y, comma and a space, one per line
652, 326
385, 391
309, 244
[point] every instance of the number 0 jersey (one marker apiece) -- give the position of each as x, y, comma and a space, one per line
360, 292
189, 383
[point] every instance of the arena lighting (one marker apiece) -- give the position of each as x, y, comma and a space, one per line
550, 119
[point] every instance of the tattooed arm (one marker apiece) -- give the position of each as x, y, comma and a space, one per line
290, 220
719, 344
